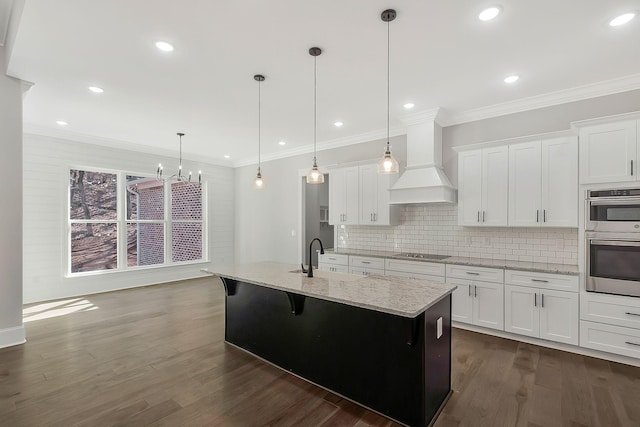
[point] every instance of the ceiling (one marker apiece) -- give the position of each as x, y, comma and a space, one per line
441, 56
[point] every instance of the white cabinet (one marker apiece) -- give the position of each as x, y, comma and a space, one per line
374, 197
359, 195
541, 311
343, 195
483, 186
366, 265
475, 301
337, 263
609, 152
432, 271
543, 183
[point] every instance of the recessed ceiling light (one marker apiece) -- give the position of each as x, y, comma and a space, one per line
164, 46
338, 124
489, 13
226, 156
96, 89
511, 79
622, 19
61, 123
282, 143
409, 105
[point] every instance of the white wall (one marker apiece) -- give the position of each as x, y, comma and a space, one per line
46, 179
11, 329
266, 218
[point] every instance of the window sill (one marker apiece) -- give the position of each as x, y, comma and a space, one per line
135, 269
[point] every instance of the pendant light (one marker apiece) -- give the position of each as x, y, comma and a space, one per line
315, 176
388, 164
258, 182
179, 177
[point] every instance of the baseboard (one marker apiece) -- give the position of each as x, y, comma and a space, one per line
550, 344
12, 336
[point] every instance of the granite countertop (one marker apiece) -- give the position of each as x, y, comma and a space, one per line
537, 267
394, 295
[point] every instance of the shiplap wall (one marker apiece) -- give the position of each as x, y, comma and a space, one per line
46, 178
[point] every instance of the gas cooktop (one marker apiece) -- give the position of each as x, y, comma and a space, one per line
421, 256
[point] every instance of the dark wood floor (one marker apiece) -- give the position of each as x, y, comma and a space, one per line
156, 356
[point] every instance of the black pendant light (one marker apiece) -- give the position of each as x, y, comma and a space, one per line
388, 164
258, 182
315, 176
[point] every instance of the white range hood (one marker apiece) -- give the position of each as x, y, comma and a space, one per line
423, 180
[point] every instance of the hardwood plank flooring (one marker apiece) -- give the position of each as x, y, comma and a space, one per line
156, 356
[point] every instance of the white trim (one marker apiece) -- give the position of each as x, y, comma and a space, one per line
634, 115
46, 133
592, 90
12, 336
326, 145
550, 344
516, 140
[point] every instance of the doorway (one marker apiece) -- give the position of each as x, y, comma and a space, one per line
316, 217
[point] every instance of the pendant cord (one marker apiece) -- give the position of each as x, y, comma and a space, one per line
388, 87
315, 106
259, 121
180, 152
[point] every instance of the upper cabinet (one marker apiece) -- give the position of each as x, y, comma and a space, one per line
543, 183
609, 152
359, 195
483, 186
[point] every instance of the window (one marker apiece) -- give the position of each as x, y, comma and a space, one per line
120, 221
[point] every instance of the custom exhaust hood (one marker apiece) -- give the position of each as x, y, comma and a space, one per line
423, 180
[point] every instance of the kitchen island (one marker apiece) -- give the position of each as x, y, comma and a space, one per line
383, 342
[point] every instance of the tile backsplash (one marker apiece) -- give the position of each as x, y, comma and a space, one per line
434, 229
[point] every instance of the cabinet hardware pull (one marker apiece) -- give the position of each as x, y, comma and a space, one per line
482, 216
366, 262
475, 291
542, 300
473, 273
333, 259
631, 314
544, 215
375, 217
631, 167
469, 290
535, 300
540, 280
478, 216
632, 343
537, 215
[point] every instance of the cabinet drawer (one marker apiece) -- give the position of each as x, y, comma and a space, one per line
367, 262
613, 339
560, 282
483, 274
333, 267
420, 267
366, 271
429, 277
338, 259
614, 310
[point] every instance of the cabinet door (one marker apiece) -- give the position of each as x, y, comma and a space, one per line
495, 186
560, 182
488, 305
559, 316
337, 187
368, 194
351, 196
461, 301
525, 182
607, 153
469, 187
521, 314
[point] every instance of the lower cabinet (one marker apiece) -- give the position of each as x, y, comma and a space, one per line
541, 305
366, 265
541, 313
415, 269
337, 263
478, 303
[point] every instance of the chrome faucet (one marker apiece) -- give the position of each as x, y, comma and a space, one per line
310, 271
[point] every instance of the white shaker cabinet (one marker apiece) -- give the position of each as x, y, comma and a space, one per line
483, 186
543, 183
343, 195
374, 197
609, 152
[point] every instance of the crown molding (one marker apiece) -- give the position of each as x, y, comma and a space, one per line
43, 132
326, 145
594, 90
437, 115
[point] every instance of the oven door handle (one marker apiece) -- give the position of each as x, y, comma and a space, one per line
616, 201
634, 243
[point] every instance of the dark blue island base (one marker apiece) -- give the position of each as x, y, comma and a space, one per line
393, 365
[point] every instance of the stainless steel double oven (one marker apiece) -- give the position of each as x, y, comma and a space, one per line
613, 241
